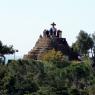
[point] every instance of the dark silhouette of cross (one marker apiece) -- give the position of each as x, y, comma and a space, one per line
53, 24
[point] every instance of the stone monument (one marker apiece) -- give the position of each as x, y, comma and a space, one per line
51, 39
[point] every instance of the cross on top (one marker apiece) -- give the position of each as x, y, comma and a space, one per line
53, 24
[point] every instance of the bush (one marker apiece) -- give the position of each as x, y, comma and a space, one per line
52, 55
30, 77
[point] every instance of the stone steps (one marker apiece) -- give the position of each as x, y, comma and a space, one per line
46, 43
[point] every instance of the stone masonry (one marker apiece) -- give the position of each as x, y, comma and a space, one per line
51, 39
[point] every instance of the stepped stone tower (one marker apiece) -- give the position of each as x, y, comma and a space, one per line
51, 39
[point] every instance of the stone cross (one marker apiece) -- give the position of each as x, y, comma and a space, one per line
53, 24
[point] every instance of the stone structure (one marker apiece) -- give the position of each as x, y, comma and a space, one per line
51, 39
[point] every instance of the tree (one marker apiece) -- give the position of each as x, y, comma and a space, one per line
52, 55
4, 49
84, 42
75, 47
93, 37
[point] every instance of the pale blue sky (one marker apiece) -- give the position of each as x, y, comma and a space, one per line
22, 21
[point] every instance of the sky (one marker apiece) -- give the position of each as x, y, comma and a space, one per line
22, 21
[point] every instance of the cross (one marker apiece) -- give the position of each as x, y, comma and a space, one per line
53, 24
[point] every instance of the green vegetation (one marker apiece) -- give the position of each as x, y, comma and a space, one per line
52, 55
93, 37
83, 43
29, 77
53, 75
4, 50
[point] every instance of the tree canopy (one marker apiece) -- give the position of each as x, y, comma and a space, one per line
4, 50
83, 43
30, 77
52, 55
93, 37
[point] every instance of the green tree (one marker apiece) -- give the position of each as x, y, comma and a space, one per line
93, 37
31, 77
84, 43
52, 55
75, 46
4, 50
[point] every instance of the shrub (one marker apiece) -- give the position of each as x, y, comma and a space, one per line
52, 55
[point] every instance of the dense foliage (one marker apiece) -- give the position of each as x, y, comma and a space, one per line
52, 55
4, 50
93, 37
29, 77
83, 43
54, 75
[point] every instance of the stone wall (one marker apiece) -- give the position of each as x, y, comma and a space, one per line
51, 39
47, 43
